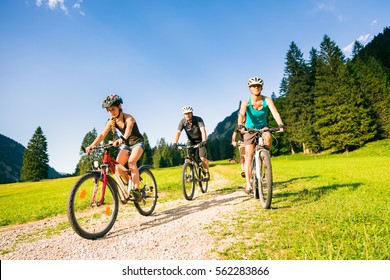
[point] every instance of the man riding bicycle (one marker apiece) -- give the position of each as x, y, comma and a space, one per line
255, 110
196, 133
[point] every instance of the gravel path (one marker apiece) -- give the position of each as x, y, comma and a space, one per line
177, 230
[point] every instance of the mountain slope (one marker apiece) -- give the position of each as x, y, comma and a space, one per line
11, 161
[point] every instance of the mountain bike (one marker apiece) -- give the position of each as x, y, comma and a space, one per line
261, 175
93, 201
192, 172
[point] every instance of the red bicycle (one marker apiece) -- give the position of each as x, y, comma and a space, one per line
93, 201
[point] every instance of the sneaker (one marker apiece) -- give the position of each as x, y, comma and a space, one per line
206, 176
243, 174
137, 196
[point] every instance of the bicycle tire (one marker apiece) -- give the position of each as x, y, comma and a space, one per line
265, 182
148, 188
203, 185
88, 218
188, 181
254, 181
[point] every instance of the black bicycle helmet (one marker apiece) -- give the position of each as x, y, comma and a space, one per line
112, 100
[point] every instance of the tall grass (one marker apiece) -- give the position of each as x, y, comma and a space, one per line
324, 207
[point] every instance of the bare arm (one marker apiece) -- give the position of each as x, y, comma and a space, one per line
241, 114
234, 135
100, 137
177, 136
130, 121
274, 111
204, 134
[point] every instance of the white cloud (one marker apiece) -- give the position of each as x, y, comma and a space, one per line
362, 39
53, 4
374, 22
77, 6
327, 6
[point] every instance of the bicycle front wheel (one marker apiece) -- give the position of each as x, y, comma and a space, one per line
91, 207
148, 189
188, 181
265, 181
203, 185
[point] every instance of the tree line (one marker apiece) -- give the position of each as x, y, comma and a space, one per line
328, 102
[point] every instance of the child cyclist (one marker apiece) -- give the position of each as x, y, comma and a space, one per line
131, 140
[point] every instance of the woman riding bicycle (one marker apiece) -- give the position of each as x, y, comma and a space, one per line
131, 139
255, 110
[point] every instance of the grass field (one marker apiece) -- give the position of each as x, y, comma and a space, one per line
324, 207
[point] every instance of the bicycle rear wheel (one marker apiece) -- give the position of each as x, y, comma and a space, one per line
265, 181
188, 181
148, 189
203, 185
89, 216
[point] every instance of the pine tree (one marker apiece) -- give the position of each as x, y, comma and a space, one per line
147, 156
372, 81
36, 159
85, 162
298, 100
343, 120
328, 72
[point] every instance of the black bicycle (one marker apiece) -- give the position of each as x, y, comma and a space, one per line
192, 172
261, 176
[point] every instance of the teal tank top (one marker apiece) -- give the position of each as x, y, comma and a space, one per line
256, 118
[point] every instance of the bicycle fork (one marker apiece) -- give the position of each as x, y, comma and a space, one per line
103, 178
258, 164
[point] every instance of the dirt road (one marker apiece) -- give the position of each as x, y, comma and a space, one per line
177, 230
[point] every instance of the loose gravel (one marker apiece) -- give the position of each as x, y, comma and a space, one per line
177, 230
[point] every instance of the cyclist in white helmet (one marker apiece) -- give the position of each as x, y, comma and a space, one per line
196, 133
254, 111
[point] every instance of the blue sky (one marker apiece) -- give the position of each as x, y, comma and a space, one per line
60, 59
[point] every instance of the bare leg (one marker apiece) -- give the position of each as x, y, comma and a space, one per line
249, 150
136, 153
122, 157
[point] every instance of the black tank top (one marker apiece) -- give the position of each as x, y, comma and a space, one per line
135, 136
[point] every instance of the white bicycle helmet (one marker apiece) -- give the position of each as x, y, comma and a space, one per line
187, 109
256, 81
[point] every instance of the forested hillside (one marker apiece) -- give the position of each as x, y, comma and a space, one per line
11, 161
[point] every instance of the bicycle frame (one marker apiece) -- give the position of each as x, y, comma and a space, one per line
192, 158
110, 164
93, 201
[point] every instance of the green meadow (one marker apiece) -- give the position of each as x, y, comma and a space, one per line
325, 207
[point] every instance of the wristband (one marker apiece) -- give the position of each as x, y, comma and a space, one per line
123, 138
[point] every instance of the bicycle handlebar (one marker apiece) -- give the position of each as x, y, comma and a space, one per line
181, 147
101, 146
254, 130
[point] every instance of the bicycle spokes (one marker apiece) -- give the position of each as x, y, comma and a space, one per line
88, 217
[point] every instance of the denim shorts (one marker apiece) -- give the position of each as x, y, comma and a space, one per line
129, 148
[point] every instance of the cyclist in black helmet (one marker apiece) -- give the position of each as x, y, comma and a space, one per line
196, 133
131, 140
